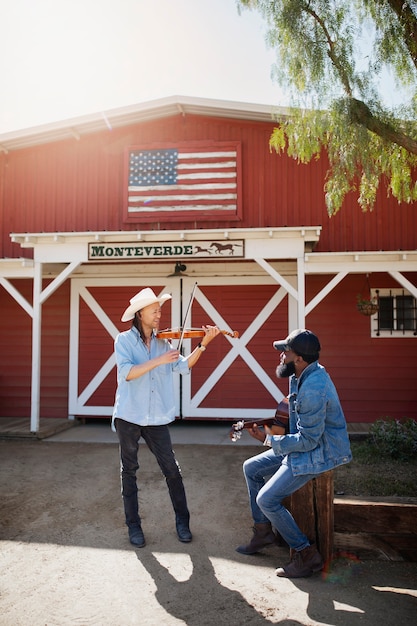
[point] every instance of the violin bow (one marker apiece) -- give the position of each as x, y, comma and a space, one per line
186, 317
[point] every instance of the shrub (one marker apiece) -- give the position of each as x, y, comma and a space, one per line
394, 438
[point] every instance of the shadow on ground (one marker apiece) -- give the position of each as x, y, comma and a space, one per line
66, 558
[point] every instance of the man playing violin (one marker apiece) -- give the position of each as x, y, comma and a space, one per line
317, 442
144, 405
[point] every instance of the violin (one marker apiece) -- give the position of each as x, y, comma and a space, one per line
190, 333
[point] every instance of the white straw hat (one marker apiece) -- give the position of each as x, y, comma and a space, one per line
142, 299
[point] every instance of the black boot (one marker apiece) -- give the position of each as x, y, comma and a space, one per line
136, 536
133, 521
179, 503
183, 530
263, 535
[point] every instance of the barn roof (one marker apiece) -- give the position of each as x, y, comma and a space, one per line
146, 111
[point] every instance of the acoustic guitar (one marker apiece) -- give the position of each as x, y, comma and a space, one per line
279, 424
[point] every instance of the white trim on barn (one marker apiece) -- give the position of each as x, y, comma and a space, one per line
282, 256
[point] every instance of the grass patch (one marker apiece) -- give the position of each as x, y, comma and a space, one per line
372, 474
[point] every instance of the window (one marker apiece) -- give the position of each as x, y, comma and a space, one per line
397, 315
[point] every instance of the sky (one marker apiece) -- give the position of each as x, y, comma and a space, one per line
61, 59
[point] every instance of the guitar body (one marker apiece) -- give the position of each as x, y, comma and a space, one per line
279, 424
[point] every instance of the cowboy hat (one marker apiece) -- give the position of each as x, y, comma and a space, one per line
142, 299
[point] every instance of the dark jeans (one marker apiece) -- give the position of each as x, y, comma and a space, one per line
158, 440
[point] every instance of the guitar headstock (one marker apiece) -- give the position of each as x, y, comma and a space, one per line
236, 431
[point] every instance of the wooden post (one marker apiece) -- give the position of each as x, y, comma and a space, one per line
312, 508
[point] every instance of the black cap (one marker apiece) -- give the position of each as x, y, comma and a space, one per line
302, 341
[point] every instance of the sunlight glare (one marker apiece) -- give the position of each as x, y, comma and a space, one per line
178, 565
407, 592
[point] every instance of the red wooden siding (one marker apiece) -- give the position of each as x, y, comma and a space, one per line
16, 364
375, 378
362, 368
55, 354
79, 186
371, 375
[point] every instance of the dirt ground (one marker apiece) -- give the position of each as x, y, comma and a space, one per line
66, 559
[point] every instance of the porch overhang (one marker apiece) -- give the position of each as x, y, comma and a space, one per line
268, 243
358, 262
287, 243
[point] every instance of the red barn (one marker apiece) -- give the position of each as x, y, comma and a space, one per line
182, 195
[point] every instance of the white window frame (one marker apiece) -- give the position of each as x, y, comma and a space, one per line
393, 333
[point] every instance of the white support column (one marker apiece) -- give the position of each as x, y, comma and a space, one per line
292, 310
301, 289
296, 296
36, 348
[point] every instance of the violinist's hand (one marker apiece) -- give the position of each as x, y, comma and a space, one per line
171, 356
257, 433
210, 333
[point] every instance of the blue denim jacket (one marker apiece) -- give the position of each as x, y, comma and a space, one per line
318, 439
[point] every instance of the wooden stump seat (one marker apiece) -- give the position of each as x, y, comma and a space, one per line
312, 508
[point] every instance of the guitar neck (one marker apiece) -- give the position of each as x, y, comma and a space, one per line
261, 422
279, 423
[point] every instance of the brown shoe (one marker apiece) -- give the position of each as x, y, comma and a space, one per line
263, 535
303, 564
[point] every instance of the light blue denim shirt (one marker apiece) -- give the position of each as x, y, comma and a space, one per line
318, 439
148, 400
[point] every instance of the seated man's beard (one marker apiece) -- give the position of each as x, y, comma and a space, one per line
285, 370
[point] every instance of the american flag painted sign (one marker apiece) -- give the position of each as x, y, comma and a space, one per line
186, 177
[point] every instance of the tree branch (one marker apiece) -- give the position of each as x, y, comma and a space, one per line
408, 21
360, 113
331, 50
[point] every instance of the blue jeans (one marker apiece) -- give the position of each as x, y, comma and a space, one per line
270, 480
158, 440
